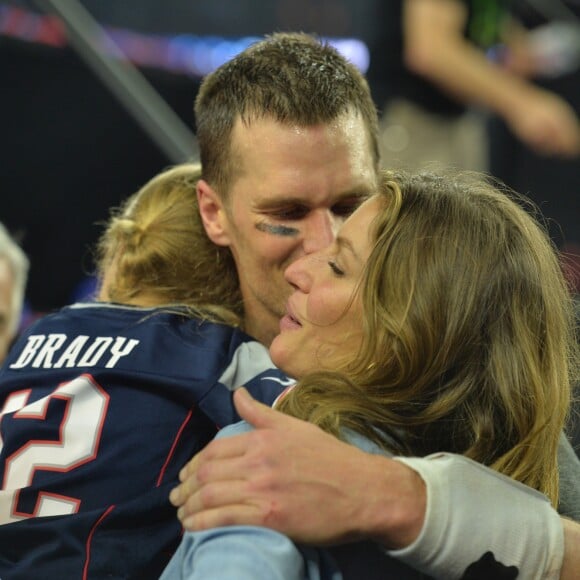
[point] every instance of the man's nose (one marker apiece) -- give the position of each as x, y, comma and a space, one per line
320, 230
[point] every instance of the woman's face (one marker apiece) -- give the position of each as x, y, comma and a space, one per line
323, 324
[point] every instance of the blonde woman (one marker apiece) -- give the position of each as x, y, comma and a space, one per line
439, 321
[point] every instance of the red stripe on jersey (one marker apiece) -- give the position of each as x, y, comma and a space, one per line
90, 538
172, 450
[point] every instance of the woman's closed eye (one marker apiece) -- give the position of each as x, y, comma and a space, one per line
335, 269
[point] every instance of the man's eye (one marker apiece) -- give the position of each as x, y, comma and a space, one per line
345, 208
289, 213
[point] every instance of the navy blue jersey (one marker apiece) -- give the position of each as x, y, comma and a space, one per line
100, 407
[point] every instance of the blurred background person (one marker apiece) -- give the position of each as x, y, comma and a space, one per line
13, 276
551, 61
433, 79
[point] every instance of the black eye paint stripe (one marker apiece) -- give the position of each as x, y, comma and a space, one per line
277, 230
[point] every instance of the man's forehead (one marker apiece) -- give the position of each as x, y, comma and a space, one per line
279, 164
266, 131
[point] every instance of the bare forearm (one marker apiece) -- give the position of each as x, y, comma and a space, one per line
436, 49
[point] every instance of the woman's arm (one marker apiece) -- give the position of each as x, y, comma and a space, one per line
241, 552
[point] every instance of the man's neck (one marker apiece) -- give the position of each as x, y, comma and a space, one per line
262, 330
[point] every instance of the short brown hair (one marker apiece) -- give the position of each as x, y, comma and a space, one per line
289, 77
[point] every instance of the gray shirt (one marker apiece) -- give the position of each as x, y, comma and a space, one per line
569, 468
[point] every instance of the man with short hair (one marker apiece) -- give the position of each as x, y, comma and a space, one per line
288, 138
287, 132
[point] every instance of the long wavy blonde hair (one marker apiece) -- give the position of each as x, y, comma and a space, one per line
468, 333
155, 244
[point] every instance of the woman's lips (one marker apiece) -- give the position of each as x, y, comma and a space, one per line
289, 321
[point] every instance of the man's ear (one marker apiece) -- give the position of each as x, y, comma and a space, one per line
213, 214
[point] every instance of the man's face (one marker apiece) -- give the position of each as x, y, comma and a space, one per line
295, 188
6, 292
